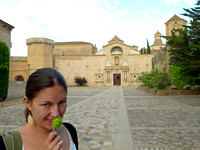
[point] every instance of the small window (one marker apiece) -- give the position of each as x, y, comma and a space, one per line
99, 76
175, 22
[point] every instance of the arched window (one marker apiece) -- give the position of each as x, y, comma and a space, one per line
116, 50
19, 78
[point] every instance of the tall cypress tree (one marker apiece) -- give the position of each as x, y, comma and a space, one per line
4, 70
148, 48
141, 51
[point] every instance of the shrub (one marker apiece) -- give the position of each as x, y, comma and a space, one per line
4, 70
80, 81
179, 78
154, 79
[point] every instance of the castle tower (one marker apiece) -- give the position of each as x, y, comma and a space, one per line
174, 22
40, 53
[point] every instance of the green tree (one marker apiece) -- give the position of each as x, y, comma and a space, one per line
4, 70
148, 48
141, 51
144, 51
185, 49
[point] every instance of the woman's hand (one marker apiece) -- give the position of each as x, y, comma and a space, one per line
53, 142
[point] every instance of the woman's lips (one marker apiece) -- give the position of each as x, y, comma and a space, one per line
49, 120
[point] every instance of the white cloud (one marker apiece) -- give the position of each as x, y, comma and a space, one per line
170, 2
190, 1
64, 20
142, 1
156, 11
137, 11
146, 14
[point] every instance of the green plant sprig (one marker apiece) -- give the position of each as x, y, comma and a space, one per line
56, 123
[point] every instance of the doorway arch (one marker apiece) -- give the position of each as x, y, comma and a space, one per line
19, 78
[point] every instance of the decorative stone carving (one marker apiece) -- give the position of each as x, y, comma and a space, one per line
108, 76
99, 77
133, 76
116, 59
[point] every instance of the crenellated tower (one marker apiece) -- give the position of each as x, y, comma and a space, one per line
40, 53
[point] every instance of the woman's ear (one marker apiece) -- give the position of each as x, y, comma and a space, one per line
27, 102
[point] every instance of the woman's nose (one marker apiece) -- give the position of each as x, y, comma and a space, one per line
55, 112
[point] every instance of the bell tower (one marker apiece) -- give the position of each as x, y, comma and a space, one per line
157, 39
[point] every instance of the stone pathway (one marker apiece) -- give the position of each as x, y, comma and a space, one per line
165, 122
116, 118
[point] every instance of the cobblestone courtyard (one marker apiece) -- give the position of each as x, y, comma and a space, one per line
116, 118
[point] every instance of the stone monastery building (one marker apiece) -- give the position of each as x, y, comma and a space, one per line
116, 64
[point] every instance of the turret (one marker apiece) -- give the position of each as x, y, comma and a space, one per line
40, 53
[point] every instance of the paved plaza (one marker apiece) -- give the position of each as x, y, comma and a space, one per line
123, 118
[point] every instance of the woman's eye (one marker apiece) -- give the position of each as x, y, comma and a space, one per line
63, 101
46, 104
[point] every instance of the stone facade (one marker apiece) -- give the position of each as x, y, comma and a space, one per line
116, 64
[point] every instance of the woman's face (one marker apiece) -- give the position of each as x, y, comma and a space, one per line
48, 104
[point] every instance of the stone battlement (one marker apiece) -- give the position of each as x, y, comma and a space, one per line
18, 59
39, 41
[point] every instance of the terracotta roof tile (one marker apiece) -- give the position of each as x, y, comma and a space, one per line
174, 18
6, 24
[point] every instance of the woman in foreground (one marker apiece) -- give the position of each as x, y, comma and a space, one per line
46, 99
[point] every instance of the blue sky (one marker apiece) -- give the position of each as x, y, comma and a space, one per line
94, 21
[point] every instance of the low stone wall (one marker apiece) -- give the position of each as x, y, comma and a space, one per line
16, 89
178, 92
148, 90
170, 92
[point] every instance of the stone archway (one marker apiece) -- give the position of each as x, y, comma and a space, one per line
19, 78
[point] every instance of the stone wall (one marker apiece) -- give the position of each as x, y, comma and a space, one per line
170, 92
18, 67
178, 92
16, 89
161, 60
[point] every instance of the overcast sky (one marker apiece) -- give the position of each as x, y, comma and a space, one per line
93, 21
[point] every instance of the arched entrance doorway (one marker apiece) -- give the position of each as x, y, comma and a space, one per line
19, 78
116, 79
